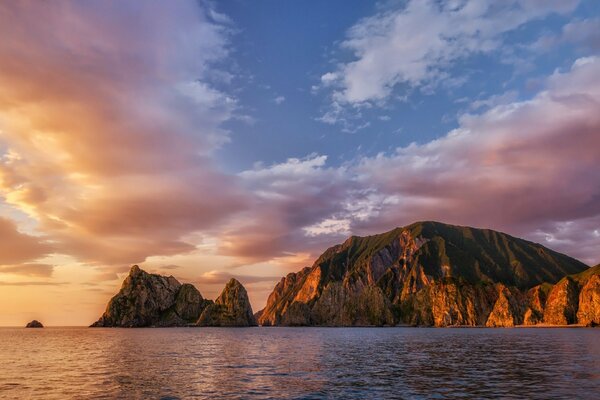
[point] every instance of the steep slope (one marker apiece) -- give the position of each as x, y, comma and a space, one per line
427, 273
231, 308
154, 300
575, 299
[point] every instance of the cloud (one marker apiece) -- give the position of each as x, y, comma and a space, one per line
583, 33
17, 247
415, 45
285, 198
108, 118
528, 167
221, 277
33, 283
516, 167
170, 266
279, 99
28, 269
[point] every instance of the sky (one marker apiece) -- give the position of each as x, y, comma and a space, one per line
210, 140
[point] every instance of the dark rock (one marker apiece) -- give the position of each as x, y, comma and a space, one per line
152, 300
34, 324
231, 308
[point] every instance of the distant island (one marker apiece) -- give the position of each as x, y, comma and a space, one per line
424, 274
34, 324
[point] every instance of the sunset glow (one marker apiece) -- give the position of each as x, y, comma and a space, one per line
211, 140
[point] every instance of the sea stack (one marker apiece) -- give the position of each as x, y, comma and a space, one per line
152, 300
232, 308
435, 274
34, 324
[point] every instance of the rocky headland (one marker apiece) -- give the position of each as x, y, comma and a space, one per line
151, 300
434, 274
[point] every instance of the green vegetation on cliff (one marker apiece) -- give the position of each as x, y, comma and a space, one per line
427, 273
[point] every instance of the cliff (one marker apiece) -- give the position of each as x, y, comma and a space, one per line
431, 274
575, 300
231, 308
154, 300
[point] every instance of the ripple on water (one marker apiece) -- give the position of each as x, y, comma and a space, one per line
299, 363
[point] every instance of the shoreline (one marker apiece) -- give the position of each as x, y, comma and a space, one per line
537, 326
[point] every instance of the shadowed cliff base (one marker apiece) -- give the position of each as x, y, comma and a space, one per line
434, 274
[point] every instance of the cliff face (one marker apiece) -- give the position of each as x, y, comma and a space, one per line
232, 308
589, 301
562, 303
575, 300
536, 303
424, 274
154, 300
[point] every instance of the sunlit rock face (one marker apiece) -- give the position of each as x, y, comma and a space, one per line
589, 301
508, 308
427, 273
152, 300
231, 308
562, 303
536, 303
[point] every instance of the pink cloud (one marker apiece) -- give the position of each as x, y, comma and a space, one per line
17, 247
109, 119
525, 167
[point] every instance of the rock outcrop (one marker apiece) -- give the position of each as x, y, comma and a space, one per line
562, 303
575, 300
536, 302
508, 309
431, 274
154, 300
231, 308
588, 312
34, 324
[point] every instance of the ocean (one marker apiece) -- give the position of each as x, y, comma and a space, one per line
299, 363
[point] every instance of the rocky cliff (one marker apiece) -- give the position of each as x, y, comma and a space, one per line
575, 299
154, 300
231, 308
432, 274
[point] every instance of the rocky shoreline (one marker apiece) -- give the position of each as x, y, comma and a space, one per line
425, 274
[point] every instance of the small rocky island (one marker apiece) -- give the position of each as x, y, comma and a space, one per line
151, 300
34, 324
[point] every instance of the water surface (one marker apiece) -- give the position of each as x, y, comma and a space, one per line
58, 363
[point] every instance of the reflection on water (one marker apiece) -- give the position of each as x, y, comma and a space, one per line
299, 363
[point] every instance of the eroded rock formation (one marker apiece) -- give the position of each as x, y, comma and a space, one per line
155, 300
231, 308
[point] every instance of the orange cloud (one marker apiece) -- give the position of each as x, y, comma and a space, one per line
17, 247
107, 121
